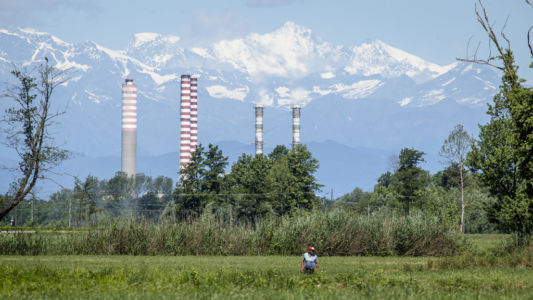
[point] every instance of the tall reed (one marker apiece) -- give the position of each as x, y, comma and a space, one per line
334, 232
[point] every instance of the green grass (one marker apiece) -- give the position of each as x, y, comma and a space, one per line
335, 232
259, 277
486, 242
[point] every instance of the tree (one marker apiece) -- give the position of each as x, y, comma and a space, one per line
454, 150
283, 186
249, 187
201, 181
280, 182
121, 192
28, 129
86, 194
503, 156
409, 178
303, 165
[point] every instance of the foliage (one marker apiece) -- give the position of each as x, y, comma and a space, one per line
27, 130
256, 186
503, 156
201, 181
407, 181
454, 150
85, 195
499, 157
250, 187
334, 232
93, 202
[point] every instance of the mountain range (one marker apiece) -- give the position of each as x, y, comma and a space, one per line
361, 104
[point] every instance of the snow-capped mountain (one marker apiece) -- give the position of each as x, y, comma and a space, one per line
371, 95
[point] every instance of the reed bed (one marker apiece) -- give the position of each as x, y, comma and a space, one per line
334, 232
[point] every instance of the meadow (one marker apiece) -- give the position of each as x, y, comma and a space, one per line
375, 256
259, 277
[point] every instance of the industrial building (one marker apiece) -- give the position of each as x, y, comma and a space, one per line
129, 127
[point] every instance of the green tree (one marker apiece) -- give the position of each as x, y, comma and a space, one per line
120, 192
28, 130
283, 186
409, 179
85, 193
202, 181
454, 150
503, 155
249, 187
303, 167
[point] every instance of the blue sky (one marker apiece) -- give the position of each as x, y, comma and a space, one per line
434, 30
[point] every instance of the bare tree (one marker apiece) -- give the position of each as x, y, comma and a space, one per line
507, 65
454, 150
27, 130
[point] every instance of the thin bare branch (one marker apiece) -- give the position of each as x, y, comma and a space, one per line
483, 19
480, 62
503, 33
529, 40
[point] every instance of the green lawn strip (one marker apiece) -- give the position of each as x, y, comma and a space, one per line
236, 277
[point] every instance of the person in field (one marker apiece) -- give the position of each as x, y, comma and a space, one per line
309, 261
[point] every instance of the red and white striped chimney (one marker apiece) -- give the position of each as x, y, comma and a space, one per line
129, 127
185, 121
194, 113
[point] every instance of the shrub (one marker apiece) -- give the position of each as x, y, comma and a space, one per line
334, 232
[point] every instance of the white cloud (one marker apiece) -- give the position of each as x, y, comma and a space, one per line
327, 75
405, 101
283, 91
265, 98
297, 96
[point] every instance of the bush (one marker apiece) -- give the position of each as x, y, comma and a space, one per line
335, 232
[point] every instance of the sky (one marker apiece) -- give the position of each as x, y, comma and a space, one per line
435, 30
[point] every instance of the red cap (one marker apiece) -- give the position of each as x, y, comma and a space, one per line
311, 248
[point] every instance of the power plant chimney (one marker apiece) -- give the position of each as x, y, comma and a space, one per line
185, 121
295, 126
258, 129
194, 113
129, 128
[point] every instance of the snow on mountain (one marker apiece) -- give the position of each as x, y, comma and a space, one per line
289, 52
378, 58
372, 95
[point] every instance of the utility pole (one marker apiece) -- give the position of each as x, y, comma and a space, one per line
32, 198
331, 197
69, 212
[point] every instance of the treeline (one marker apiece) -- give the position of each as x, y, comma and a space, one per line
273, 184
257, 186
93, 202
408, 187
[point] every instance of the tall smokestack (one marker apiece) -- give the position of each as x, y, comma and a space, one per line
185, 121
129, 128
258, 129
194, 113
295, 126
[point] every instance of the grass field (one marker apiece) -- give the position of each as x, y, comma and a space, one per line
270, 277
258, 277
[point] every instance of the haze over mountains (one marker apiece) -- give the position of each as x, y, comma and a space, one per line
362, 103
